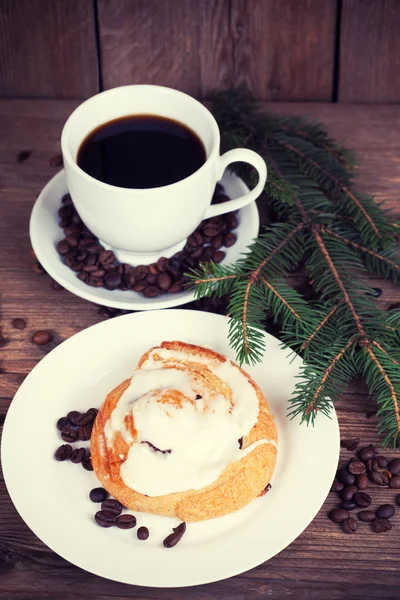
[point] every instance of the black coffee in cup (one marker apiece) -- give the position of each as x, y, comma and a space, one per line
141, 151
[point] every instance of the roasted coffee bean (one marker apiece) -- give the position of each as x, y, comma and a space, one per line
174, 270
69, 435
140, 272
98, 494
231, 220
151, 279
394, 466
338, 515
41, 337
19, 323
362, 481
367, 516
210, 230
104, 518
63, 247
164, 281
94, 282
90, 269
112, 281
380, 478
398, 499
107, 257
381, 526
345, 477
83, 276
65, 222
385, 511
63, 422
176, 287
198, 252
84, 432
84, 243
192, 241
350, 445
77, 267
337, 486
153, 269
94, 249
56, 160
349, 505
356, 467
395, 482
77, 455
99, 273
66, 199
367, 452
369, 465
112, 505
143, 533
171, 540
125, 521
348, 492
151, 291
93, 411
218, 256
87, 464
84, 419
38, 269
72, 241
139, 286
73, 416
23, 155
56, 286
65, 211
362, 499
216, 242
382, 462
350, 525
230, 240
63, 452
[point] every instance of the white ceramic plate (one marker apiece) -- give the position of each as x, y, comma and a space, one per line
52, 497
45, 233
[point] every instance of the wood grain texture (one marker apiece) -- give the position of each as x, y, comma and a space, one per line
179, 43
370, 51
284, 50
322, 563
47, 49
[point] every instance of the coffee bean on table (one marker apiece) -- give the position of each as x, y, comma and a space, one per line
386, 511
367, 452
350, 445
84, 419
175, 537
356, 467
395, 482
69, 435
362, 499
104, 518
369, 465
398, 499
337, 486
380, 478
345, 477
125, 521
381, 462
350, 525
348, 492
41, 337
98, 494
56, 286
394, 466
362, 481
62, 422
338, 515
63, 452
73, 416
381, 526
349, 505
77, 455
84, 433
143, 533
367, 516
112, 505
19, 323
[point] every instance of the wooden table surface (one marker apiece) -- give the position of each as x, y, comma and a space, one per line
322, 563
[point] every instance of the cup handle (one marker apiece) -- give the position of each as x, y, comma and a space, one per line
239, 155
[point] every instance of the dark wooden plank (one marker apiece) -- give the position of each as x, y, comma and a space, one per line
284, 50
180, 43
47, 49
370, 51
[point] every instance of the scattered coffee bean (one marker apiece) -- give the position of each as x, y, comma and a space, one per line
84, 419
380, 478
369, 465
38, 269
362, 481
19, 323
112, 505
345, 477
98, 494
171, 540
104, 518
367, 516
125, 521
356, 467
23, 155
350, 525
348, 492
73, 416
337, 486
77, 455
349, 505
398, 499
41, 337
143, 533
367, 452
63, 452
394, 466
69, 435
385, 511
63, 422
395, 482
87, 464
381, 526
338, 515
56, 286
350, 445
362, 499
382, 462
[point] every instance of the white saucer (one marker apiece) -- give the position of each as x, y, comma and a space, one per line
45, 233
52, 497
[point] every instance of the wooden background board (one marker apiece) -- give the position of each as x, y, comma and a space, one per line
323, 563
311, 50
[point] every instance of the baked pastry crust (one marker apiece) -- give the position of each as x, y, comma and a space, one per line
239, 483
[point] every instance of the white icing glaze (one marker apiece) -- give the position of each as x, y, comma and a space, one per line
202, 435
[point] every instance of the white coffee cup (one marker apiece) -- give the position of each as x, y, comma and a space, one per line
143, 224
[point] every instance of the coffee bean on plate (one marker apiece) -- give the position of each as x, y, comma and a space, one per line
63, 422
106, 257
84, 419
356, 467
63, 452
63, 247
367, 452
229, 240
395, 482
394, 466
140, 272
69, 435
104, 518
87, 464
77, 455
367, 516
112, 281
151, 291
164, 281
345, 477
350, 525
348, 505
41, 337
98, 494
338, 515
143, 533
362, 499
337, 486
348, 492
172, 539
381, 525
380, 478
350, 445
385, 511
73, 416
362, 481
19, 323
218, 256
112, 505
125, 521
